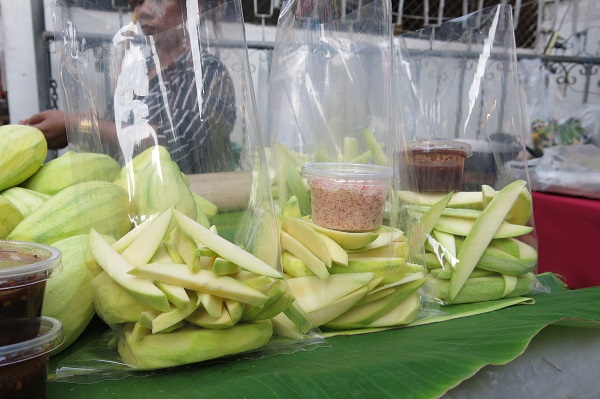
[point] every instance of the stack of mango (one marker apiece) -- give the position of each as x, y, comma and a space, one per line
341, 279
475, 242
38, 203
137, 249
348, 280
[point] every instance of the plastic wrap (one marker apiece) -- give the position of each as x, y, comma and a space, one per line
459, 98
184, 259
553, 119
332, 140
564, 169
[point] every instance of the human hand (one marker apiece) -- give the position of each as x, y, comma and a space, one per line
52, 124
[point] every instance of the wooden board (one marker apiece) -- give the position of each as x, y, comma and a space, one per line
229, 191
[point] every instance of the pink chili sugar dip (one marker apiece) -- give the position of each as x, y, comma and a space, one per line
347, 205
347, 196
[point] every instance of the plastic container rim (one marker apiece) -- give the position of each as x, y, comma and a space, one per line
49, 338
52, 262
438, 144
349, 172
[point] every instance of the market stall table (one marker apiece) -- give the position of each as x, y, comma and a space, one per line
568, 230
417, 362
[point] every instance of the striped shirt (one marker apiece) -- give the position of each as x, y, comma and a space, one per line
198, 140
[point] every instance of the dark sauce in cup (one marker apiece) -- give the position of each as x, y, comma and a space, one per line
24, 365
438, 165
24, 269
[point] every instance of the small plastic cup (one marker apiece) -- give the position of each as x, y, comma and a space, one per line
24, 269
438, 164
24, 365
346, 196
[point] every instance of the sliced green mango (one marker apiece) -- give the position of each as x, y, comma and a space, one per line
497, 260
175, 315
224, 248
297, 316
347, 240
113, 303
224, 267
178, 296
292, 208
117, 268
338, 254
484, 229
508, 245
201, 318
313, 293
327, 313
284, 327
386, 235
202, 281
235, 310
376, 150
417, 235
308, 237
396, 249
461, 199
140, 251
380, 267
296, 248
369, 312
481, 289
293, 266
192, 344
211, 303
350, 150
186, 248
462, 227
404, 313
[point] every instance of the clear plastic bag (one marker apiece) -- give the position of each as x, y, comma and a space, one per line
459, 98
332, 142
553, 120
565, 169
166, 103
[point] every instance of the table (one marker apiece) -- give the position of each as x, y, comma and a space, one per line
398, 363
568, 230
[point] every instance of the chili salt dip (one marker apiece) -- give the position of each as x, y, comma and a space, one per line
348, 197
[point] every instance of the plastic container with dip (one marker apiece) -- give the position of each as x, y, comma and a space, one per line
438, 164
24, 365
24, 269
348, 197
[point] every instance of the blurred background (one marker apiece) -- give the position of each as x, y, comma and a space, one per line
558, 43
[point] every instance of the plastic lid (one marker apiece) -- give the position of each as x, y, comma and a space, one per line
349, 172
45, 263
49, 337
436, 145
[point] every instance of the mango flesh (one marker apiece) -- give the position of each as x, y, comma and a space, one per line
192, 344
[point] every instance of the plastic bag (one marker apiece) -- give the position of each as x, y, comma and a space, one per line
187, 253
565, 169
331, 158
553, 119
459, 98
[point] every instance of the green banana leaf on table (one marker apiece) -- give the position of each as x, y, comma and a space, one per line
414, 362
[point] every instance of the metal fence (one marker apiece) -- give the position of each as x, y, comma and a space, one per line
410, 15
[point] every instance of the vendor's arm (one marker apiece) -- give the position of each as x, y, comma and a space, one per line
52, 124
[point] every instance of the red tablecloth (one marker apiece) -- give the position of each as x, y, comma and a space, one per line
568, 230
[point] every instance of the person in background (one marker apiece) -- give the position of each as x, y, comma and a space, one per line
198, 139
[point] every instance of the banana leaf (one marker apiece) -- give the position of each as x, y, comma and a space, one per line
416, 362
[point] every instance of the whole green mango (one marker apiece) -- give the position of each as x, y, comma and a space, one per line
23, 150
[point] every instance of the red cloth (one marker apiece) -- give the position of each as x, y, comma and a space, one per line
568, 230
